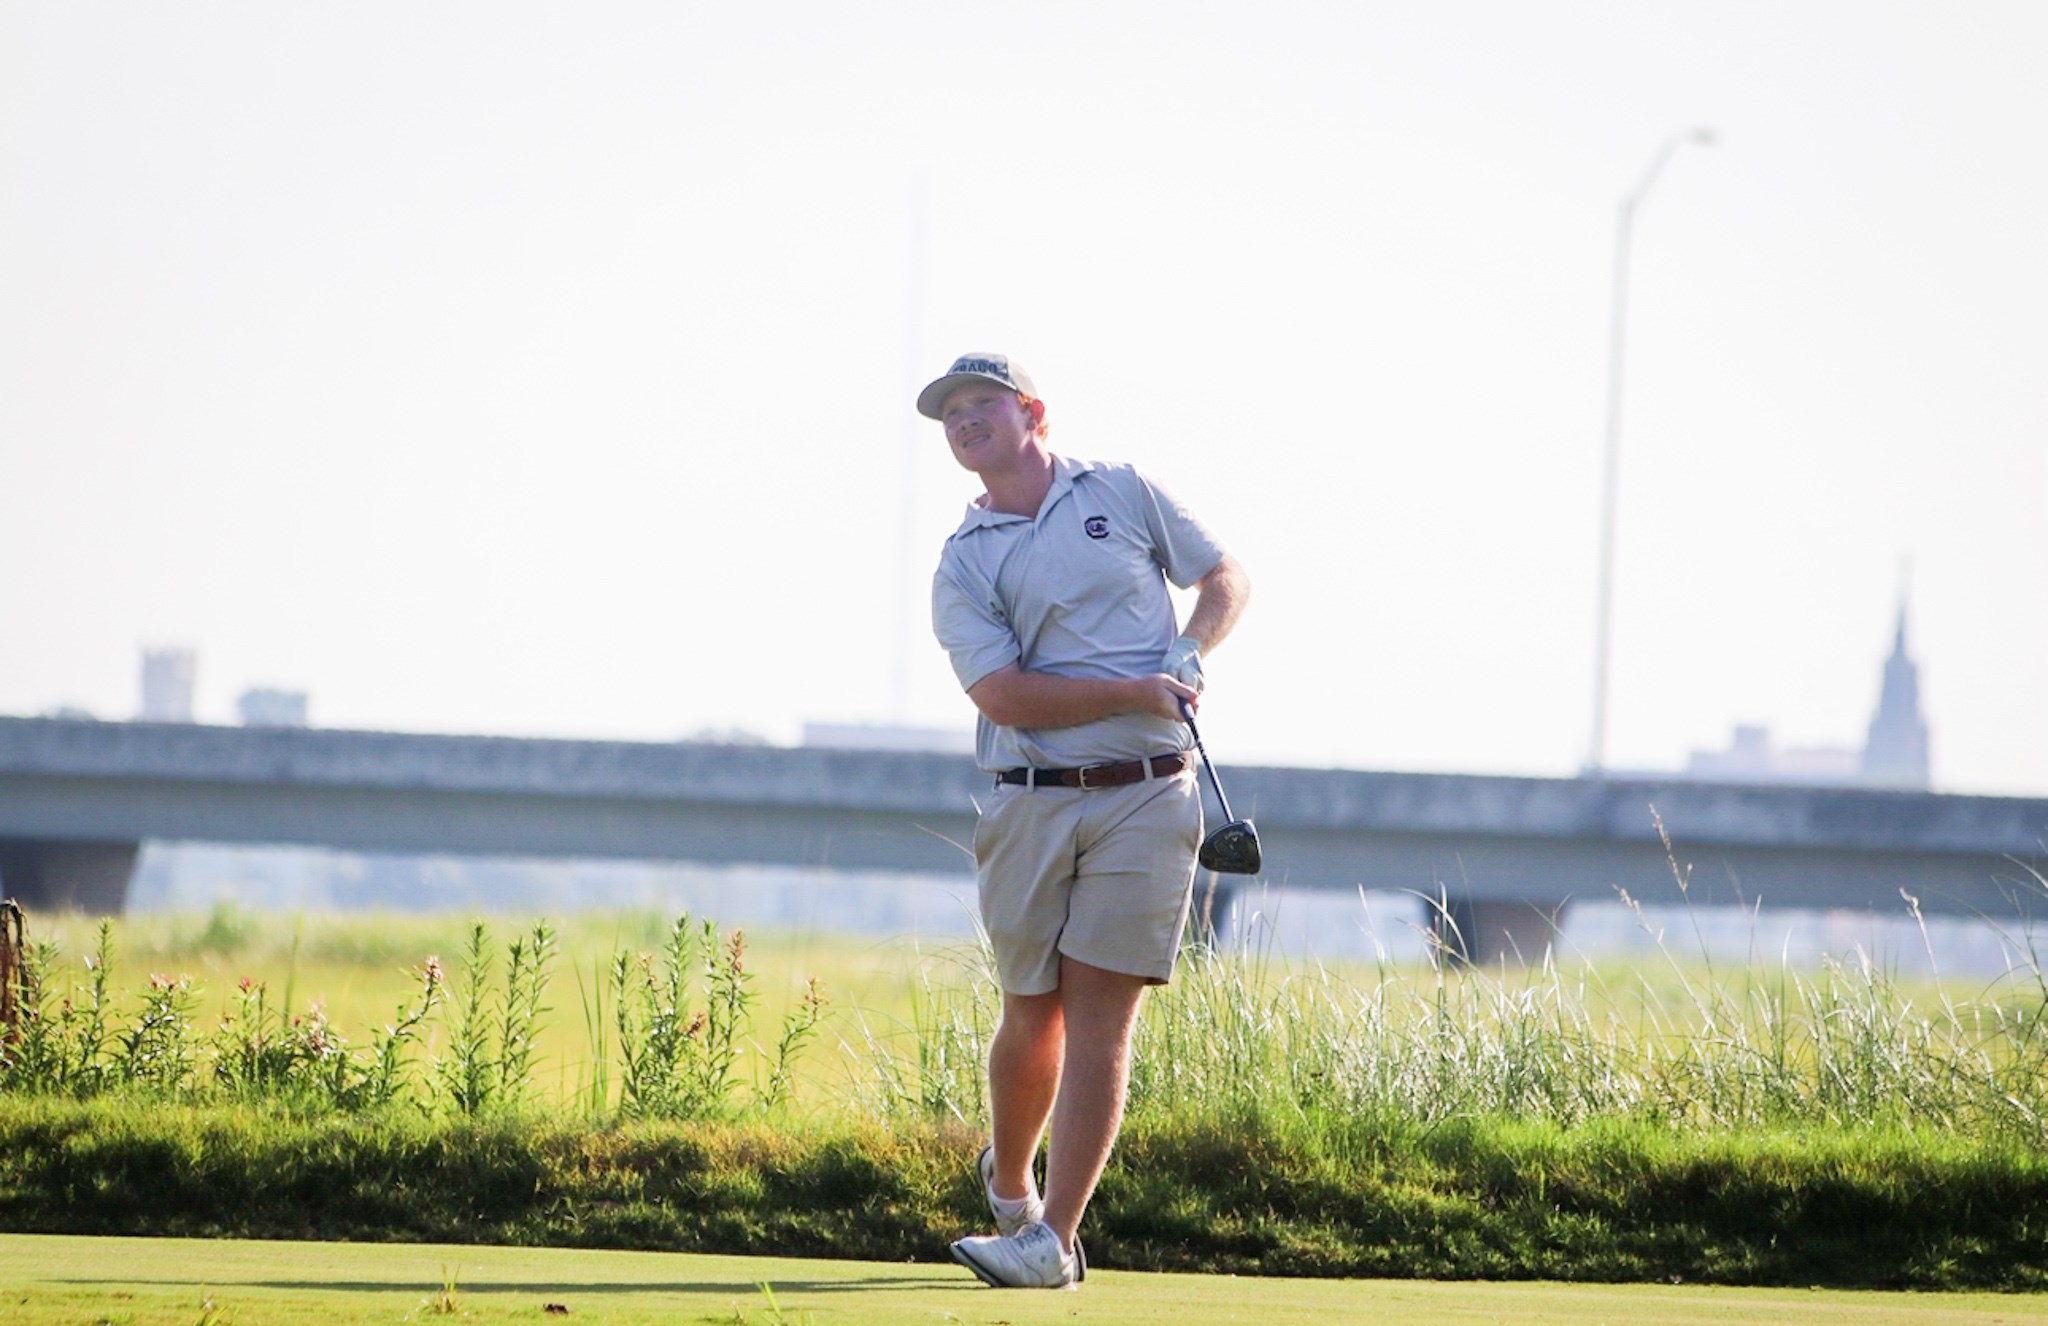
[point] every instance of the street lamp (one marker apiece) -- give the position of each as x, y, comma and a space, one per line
1610, 480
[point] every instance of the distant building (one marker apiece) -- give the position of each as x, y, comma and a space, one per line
1750, 758
168, 677
890, 736
1894, 754
726, 736
265, 706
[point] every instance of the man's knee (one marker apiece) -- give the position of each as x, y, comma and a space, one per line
1032, 1015
1100, 1005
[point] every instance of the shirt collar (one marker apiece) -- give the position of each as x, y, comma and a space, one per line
1064, 471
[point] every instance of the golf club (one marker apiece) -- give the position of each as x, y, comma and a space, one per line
1234, 848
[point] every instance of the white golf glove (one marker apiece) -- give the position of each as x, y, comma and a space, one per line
1183, 662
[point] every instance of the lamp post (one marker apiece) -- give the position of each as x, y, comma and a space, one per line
1596, 761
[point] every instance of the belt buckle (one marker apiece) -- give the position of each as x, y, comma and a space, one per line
1081, 779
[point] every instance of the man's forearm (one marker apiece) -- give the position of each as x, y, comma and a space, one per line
1015, 698
1219, 601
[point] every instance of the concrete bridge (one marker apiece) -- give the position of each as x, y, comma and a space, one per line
1505, 854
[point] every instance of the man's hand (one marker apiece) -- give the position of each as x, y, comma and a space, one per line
1163, 696
1183, 662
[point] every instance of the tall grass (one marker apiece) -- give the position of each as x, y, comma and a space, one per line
929, 1064
1845, 1047
1243, 1032
669, 1032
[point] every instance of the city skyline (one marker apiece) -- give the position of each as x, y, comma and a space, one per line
1894, 753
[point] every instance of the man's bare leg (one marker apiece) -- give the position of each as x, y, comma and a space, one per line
1100, 1008
1024, 1061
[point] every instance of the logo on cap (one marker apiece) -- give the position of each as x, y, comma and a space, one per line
990, 367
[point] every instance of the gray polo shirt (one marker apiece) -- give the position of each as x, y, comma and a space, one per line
1077, 591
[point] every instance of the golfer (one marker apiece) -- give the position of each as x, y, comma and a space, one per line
1051, 600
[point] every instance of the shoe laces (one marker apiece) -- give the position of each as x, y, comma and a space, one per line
1031, 1237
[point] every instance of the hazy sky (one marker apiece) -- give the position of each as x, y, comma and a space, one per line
548, 369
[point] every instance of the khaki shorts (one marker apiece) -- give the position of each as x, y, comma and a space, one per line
1101, 876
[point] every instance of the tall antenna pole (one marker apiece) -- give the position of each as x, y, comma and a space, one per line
914, 436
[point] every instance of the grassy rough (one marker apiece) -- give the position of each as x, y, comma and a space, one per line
1499, 1199
1475, 1198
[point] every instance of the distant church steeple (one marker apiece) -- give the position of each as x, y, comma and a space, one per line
1895, 753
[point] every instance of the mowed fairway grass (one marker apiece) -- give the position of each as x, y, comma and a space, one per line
46, 1280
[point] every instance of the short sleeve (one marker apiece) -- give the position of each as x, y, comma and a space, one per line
970, 626
1185, 548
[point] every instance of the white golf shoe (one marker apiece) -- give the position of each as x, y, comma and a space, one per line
1029, 1259
1010, 1216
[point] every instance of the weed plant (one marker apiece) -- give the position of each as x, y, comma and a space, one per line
681, 1031
681, 1019
489, 1063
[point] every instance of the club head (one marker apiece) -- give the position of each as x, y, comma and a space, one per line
1232, 849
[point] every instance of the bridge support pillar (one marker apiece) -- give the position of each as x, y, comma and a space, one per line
1487, 931
49, 875
1209, 918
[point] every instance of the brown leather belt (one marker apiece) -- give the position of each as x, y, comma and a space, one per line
1100, 775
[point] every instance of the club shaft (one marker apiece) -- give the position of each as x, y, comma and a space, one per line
1188, 717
